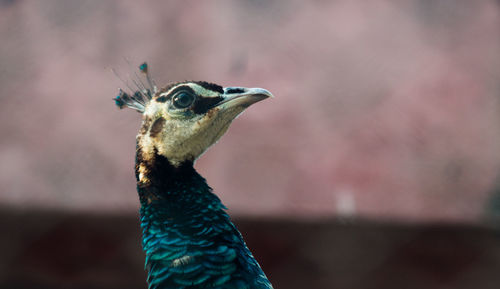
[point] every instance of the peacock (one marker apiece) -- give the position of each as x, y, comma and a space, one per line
187, 236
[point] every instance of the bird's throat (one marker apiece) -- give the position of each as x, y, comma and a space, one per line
160, 182
157, 178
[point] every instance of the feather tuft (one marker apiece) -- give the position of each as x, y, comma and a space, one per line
140, 93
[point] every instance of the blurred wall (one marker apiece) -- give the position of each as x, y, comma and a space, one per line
61, 250
384, 109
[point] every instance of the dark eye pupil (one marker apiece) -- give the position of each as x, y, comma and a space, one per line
183, 100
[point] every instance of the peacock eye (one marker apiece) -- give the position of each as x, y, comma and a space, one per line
183, 99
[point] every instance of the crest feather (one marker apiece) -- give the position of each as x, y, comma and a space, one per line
141, 93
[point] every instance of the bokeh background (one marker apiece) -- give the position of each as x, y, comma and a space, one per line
380, 150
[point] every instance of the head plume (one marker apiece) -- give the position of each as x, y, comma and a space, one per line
143, 89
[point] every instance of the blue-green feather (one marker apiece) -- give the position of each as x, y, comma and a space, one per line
189, 240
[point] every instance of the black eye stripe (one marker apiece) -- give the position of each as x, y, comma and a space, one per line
203, 104
235, 90
168, 96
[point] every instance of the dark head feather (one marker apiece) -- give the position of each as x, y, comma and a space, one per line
210, 86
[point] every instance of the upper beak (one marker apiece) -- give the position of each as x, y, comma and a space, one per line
243, 97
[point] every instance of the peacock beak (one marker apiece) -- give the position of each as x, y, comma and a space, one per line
242, 97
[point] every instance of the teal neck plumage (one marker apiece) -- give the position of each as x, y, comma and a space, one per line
189, 240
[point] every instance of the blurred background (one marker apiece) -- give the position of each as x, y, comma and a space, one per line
376, 165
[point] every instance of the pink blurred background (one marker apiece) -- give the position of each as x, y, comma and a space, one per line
382, 109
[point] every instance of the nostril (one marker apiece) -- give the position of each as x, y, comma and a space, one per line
231, 90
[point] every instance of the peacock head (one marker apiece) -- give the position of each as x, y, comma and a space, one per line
182, 120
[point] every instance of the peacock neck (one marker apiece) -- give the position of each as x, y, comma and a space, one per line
182, 220
179, 191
